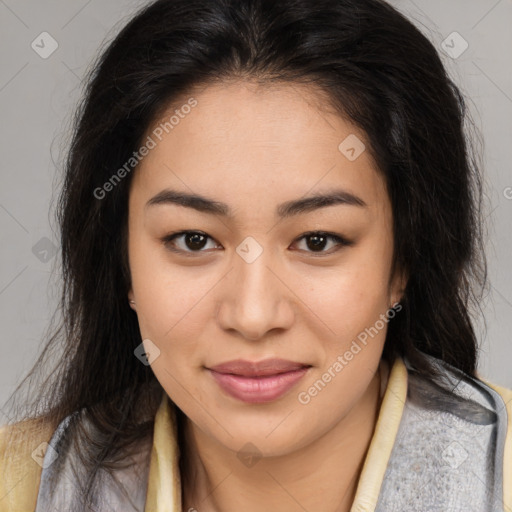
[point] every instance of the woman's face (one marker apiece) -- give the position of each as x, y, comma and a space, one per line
247, 284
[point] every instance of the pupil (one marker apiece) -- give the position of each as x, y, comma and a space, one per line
319, 242
195, 240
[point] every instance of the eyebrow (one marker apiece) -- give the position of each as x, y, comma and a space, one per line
288, 209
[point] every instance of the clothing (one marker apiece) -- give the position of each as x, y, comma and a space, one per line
431, 451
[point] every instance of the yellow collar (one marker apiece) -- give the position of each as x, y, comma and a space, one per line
164, 486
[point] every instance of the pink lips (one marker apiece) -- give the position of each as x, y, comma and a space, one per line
258, 382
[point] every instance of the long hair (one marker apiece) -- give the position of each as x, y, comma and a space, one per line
376, 70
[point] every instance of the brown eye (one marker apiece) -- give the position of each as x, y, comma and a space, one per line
191, 241
195, 241
317, 241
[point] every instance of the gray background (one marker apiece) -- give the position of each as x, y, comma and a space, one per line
37, 97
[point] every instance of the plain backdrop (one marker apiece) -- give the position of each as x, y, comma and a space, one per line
47, 47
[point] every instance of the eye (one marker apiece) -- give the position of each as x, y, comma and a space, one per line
316, 241
192, 241
195, 241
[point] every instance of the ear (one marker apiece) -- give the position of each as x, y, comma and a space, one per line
131, 300
397, 287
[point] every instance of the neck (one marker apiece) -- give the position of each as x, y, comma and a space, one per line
328, 467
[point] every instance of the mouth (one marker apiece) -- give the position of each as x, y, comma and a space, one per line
258, 382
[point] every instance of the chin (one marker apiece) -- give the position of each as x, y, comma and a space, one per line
264, 437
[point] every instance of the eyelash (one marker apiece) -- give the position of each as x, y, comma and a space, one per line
341, 241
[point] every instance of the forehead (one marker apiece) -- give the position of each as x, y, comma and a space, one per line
278, 140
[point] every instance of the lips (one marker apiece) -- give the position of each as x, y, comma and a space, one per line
258, 382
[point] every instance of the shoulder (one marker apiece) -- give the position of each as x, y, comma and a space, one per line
506, 404
503, 392
22, 449
455, 433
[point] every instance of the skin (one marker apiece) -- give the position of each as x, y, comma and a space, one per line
253, 148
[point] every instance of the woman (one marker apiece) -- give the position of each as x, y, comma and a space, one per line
271, 242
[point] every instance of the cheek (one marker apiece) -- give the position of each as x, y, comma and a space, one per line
173, 313
174, 309
352, 296
168, 295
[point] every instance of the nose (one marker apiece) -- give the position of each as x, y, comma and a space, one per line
255, 299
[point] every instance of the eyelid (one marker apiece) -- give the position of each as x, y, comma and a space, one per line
341, 241
167, 239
